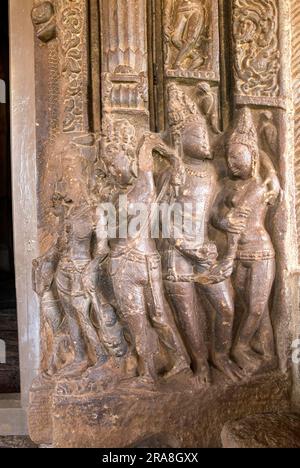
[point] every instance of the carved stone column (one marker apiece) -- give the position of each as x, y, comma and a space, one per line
125, 59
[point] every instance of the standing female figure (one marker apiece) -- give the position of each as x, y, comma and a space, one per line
240, 211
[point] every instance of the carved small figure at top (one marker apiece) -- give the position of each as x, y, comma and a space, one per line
255, 38
186, 30
209, 106
44, 20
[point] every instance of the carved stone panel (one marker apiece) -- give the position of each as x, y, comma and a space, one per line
164, 275
256, 32
191, 39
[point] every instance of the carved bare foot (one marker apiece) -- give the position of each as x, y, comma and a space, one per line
143, 381
202, 376
268, 363
103, 371
181, 367
228, 368
247, 359
76, 369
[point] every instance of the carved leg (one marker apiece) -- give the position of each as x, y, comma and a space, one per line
81, 361
51, 321
133, 310
162, 319
183, 54
256, 296
220, 296
95, 349
264, 340
184, 299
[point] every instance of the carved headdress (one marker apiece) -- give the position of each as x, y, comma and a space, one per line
118, 135
182, 111
244, 133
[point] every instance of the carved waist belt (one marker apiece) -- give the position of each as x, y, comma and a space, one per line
173, 277
136, 256
254, 256
151, 261
72, 266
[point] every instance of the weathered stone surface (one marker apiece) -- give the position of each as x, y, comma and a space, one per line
40, 414
261, 431
16, 442
93, 421
162, 335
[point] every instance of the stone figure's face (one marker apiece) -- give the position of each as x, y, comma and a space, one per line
239, 160
123, 168
195, 142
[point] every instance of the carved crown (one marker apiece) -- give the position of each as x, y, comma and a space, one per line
244, 133
183, 111
118, 135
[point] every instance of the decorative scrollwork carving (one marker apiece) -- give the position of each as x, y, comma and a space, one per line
73, 43
256, 48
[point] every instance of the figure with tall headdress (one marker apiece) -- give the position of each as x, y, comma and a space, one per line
75, 313
193, 253
240, 211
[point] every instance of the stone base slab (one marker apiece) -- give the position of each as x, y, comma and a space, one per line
131, 417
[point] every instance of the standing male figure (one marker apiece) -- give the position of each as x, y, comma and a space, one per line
194, 253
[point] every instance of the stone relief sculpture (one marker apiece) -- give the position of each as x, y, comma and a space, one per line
269, 134
145, 325
135, 264
256, 36
186, 32
185, 258
68, 275
43, 19
125, 56
209, 106
256, 50
190, 38
245, 201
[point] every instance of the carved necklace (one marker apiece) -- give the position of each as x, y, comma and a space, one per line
194, 173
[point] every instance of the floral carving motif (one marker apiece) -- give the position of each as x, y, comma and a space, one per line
72, 28
256, 47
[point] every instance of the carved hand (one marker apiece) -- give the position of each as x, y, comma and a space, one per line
91, 274
43, 269
272, 182
236, 221
217, 274
145, 152
205, 255
223, 269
